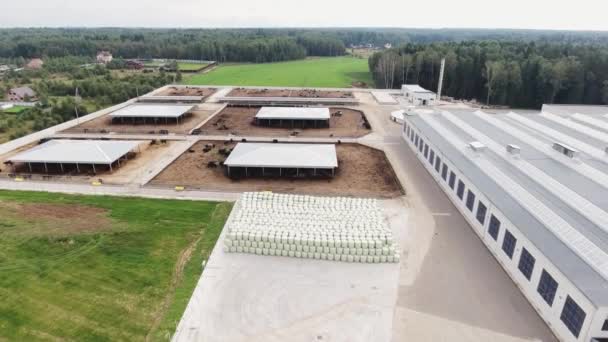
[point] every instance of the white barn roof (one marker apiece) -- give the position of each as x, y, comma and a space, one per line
293, 113
76, 151
414, 88
152, 111
283, 155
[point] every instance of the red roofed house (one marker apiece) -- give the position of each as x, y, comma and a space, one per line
35, 63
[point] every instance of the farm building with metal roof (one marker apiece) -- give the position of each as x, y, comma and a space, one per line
293, 116
534, 187
62, 155
283, 160
163, 113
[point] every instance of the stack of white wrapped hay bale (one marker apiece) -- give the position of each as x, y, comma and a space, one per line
326, 228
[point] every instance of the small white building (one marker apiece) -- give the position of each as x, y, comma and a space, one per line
418, 96
104, 57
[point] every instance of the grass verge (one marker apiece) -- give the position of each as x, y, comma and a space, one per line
100, 268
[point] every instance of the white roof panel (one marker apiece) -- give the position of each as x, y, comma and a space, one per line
414, 88
283, 155
152, 111
76, 151
293, 113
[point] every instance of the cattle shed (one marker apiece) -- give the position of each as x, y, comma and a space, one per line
151, 113
301, 117
282, 160
61, 156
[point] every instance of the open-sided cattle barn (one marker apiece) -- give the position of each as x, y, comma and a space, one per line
61, 156
282, 160
151, 113
300, 117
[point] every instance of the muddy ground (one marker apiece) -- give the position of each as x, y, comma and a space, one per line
104, 124
239, 121
187, 91
310, 93
362, 172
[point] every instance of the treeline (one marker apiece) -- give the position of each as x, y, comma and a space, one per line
516, 74
238, 45
105, 89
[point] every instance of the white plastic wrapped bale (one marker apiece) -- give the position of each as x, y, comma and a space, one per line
326, 228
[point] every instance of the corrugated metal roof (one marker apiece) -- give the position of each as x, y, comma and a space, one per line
531, 189
414, 88
293, 113
283, 155
76, 151
152, 111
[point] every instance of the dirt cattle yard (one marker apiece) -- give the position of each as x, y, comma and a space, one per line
348, 123
362, 171
187, 91
304, 93
104, 124
130, 170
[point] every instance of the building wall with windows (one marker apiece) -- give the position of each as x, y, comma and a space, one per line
569, 313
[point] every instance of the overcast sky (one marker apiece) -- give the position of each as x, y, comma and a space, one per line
530, 14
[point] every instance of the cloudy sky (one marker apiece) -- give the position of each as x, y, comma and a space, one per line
532, 14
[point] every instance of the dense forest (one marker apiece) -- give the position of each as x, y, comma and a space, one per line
220, 45
517, 74
250, 45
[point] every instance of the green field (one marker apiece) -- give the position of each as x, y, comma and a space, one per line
14, 110
92, 268
332, 72
190, 66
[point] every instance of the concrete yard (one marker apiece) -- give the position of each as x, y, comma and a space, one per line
262, 298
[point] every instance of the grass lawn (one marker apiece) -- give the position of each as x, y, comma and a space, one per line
94, 268
15, 110
332, 72
190, 66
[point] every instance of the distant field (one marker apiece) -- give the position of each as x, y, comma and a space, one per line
335, 72
100, 268
190, 66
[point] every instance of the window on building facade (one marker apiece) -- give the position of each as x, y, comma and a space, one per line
431, 157
508, 244
573, 316
481, 213
444, 172
460, 190
470, 200
547, 287
426, 151
452, 180
494, 228
526, 263
437, 164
